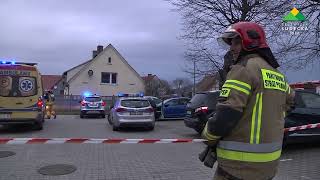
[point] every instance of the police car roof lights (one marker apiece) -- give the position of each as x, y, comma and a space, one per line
86, 94
17, 63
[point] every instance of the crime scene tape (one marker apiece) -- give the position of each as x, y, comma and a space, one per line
303, 127
93, 141
121, 141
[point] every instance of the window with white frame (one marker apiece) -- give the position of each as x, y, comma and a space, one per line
109, 78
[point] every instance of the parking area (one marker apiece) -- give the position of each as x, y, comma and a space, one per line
128, 161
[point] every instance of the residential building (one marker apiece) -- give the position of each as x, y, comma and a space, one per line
106, 74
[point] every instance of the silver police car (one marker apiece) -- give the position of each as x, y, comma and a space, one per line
92, 106
132, 112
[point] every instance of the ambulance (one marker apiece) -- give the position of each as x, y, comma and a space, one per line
21, 94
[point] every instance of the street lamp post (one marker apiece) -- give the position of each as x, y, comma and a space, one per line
194, 78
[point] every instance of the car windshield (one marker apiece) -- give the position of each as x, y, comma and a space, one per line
15, 86
92, 99
199, 99
167, 100
135, 103
156, 100
310, 100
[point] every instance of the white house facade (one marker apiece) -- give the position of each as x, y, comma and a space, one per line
106, 74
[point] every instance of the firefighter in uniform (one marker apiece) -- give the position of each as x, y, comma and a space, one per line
50, 105
245, 135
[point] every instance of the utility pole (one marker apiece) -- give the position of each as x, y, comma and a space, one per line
194, 78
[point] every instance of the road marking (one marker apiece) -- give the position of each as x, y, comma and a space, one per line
283, 160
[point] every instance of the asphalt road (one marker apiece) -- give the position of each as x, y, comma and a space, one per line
129, 161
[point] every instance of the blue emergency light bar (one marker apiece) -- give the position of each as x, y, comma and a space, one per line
16, 63
86, 94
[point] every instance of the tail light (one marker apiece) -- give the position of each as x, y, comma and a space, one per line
40, 103
150, 110
121, 109
83, 103
103, 103
202, 109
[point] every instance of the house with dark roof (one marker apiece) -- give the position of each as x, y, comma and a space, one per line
106, 74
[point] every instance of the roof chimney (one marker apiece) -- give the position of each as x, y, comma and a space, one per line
99, 49
94, 54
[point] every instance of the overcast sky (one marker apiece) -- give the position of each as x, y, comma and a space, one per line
60, 34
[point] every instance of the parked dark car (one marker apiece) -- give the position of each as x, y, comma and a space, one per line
200, 108
306, 111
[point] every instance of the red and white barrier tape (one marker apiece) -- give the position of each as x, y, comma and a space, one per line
308, 126
93, 141
121, 141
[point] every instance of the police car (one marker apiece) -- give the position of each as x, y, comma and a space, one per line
132, 111
92, 105
21, 93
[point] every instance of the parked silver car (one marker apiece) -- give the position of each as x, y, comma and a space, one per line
92, 106
132, 112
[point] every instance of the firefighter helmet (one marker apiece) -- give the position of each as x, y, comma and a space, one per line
252, 35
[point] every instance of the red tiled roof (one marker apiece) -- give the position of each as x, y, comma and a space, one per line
48, 81
148, 78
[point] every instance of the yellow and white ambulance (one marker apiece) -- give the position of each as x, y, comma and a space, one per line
21, 93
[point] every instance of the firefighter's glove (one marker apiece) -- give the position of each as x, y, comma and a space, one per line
208, 156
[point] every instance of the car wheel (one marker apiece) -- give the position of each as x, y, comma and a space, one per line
109, 119
43, 117
151, 128
81, 115
38, 125
115, 128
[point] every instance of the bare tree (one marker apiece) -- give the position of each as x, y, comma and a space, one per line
205, 20
182, 85
167, 90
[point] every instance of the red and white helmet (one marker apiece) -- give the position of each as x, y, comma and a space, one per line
252, 35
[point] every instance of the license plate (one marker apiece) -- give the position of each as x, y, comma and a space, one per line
93, 104
92, 112
135, 113
189, 112
5, 116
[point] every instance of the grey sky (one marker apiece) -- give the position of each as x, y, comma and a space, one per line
60, 34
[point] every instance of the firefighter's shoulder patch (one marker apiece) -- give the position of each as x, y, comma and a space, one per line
225, 92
